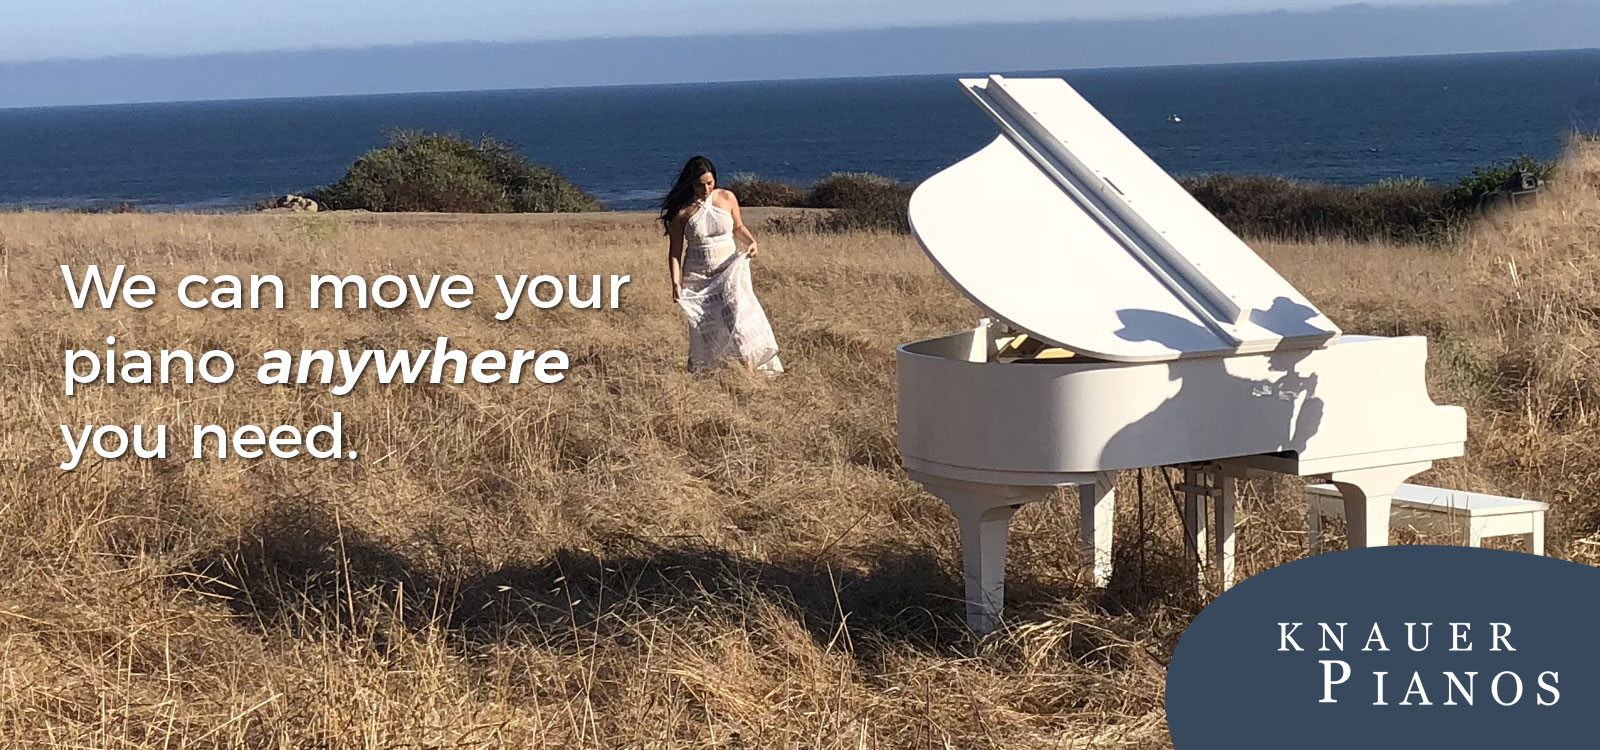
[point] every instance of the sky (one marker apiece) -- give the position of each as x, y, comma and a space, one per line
184, 50
79, 29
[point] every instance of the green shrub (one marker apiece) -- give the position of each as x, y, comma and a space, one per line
1398, 183
435, 172
855, 202
1402, 210
1468, 194
848, 190
1397, 209
754, 191
861, 202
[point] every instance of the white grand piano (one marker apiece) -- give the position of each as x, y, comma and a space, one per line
1129, 328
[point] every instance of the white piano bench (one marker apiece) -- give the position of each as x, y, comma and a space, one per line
1473, 515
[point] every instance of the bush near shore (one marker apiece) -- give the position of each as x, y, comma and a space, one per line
1401, 210
445, 173
1404, 210
859, 202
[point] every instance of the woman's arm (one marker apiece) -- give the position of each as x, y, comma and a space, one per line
740, 231
675, 257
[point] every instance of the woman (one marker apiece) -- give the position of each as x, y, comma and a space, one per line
710, 277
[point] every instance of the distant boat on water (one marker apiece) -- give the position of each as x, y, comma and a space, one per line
1174, 118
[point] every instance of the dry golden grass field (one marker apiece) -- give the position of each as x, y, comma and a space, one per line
638, 558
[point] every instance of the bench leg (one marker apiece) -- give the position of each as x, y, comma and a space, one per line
1219, 485
1097, 504
1536, 539
1366, 494
1314, 525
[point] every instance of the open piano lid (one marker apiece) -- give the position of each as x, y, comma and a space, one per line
1065, 229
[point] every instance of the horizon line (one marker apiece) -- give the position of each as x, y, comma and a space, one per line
792, 79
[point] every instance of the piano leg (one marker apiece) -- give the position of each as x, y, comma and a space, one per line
1097, 504
1366, 494
984, 512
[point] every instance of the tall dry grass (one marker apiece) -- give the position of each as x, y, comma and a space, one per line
636, 557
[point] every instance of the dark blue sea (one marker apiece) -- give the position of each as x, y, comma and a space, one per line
1342, 122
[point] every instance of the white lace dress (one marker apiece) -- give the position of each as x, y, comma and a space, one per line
725, 319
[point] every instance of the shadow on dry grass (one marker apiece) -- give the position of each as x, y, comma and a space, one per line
300, 573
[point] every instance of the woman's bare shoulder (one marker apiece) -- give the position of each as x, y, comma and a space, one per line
726, 198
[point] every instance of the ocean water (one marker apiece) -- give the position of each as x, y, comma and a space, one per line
1342, 122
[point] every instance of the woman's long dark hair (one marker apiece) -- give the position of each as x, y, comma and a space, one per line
682, 192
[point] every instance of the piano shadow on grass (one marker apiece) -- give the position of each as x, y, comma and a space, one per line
1198, 419
298, 572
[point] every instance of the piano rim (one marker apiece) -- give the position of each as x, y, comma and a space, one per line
909, 350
